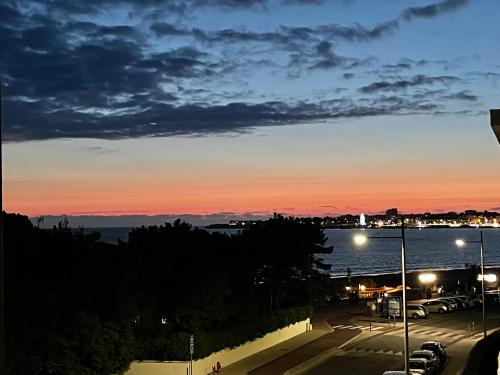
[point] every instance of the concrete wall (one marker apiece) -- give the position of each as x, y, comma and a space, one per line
225, 357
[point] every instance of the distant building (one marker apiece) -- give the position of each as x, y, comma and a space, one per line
495, 122
391, 212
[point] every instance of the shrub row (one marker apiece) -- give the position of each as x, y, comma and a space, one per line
175, 346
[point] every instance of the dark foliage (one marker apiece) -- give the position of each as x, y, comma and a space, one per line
79, 306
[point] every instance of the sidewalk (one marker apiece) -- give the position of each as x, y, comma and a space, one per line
458, 354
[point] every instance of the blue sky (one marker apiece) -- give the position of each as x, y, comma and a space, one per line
102, 80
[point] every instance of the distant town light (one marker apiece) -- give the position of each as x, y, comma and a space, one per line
488, 277
348, 288
360, 239
362, 287
426, 278
460, 242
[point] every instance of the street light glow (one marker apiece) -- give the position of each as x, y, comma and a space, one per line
488, 277
460, 242
426, 278
360, 239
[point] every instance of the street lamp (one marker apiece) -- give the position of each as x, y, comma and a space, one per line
360, 239
460, 243
427, 278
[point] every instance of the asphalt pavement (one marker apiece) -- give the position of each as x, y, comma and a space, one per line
384, 350
345, 341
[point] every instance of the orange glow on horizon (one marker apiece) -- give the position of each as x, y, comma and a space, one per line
296, 198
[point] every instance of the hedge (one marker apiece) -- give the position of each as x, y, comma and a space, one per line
175, 346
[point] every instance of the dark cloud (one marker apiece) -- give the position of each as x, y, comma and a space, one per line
433, 10
396, 67
417, 80
231, 3
167, 29
302, 2
28, 120
462, 95
180, 7
65, 77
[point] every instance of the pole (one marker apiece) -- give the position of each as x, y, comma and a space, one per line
2, 261
482, 286
403, 278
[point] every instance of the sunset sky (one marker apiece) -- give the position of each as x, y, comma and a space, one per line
225, 107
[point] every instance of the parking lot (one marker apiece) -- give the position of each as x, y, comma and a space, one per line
457, 330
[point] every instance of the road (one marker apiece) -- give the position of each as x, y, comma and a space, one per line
335, 338
384, 351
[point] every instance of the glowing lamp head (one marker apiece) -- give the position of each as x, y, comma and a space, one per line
427, 278
460, 242
360, 239
488, 277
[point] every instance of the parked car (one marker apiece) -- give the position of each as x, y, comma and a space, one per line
476, 300
422, 364
437, 306
333, 299
417, 311
437, 348
461, 305
450, 301
430, 356
467, 300
492, 297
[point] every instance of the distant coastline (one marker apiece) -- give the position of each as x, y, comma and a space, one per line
388, 220
444, 226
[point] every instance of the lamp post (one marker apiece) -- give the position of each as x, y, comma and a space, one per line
461, 243
360, 240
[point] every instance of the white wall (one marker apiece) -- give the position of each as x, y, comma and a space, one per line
225, 357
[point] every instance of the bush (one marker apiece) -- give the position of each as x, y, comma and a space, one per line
85, 346
175, 346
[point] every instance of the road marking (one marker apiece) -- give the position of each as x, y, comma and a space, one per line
373, 351
340, 326
354, 327
418, 331
377, 328
432, 333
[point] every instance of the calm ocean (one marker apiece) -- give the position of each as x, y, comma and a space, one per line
426, 249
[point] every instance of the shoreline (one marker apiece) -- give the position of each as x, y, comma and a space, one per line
420, 270
449, 278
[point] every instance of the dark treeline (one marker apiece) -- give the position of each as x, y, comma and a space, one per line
75, 305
